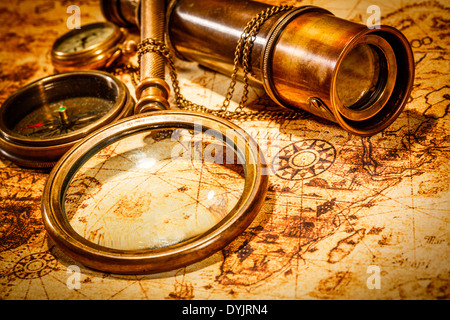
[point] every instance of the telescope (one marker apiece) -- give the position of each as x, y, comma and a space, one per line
305, 58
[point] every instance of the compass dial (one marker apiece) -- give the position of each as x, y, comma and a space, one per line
46, 121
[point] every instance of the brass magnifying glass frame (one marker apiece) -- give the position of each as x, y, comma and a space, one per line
385, 80
161, 259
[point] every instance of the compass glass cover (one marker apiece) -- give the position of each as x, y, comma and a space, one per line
154, 189
59, 106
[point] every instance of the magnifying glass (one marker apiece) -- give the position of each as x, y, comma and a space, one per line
157, 190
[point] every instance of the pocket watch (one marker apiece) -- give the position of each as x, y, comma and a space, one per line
44, 119
93, 46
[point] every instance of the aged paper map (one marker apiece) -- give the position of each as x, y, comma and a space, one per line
345, 217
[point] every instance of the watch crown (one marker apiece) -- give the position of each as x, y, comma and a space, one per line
129, 48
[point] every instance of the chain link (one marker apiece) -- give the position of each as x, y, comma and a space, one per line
129, 69
241, 57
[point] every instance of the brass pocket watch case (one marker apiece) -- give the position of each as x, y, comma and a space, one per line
44, 119
93, 46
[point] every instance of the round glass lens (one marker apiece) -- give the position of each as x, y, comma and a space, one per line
154, 189
358, 77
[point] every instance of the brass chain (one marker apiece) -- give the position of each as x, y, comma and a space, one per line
130, 69
242, 52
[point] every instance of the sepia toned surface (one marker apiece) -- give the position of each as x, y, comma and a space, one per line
339, 209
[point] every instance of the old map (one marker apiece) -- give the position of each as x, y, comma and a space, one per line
345, 217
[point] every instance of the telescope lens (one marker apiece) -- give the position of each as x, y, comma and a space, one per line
366, 78
358, 77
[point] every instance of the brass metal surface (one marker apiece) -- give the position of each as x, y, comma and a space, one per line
296, 56
124, 13
152, 95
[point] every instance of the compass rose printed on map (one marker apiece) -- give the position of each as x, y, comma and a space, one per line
305, 159
35, 265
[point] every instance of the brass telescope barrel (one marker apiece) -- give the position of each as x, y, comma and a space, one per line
306, 58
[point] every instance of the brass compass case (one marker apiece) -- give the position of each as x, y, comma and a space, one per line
44, 119
93, 46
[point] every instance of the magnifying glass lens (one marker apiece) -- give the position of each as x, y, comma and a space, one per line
358, 76
154, 189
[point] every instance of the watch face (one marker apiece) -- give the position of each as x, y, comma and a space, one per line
92, 47
86, 38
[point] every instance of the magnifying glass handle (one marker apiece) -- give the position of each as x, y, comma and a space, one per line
153, 91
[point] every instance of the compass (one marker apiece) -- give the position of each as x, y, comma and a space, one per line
42, 120
93, 46
304, 159
160, 189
